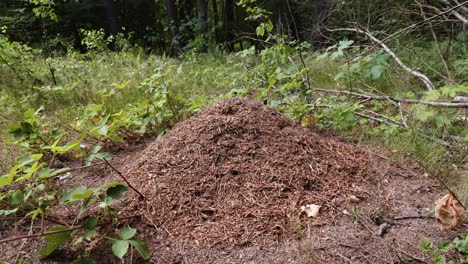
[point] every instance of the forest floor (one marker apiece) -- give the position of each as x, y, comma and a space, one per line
227, 186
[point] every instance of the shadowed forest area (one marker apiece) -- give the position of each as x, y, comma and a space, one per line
233, 131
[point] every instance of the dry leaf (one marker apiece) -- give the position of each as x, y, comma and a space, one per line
354, 199
448, 212
312, 210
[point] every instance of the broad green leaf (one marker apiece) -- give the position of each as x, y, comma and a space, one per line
141, 246
92, 109
44, 173
90, 223
127, 232
104, 156
117, 192
90, 234
5, 180
102, 130
54, 241
120, 248
75, 194
16, 198
92, 153
46, 251
32, 171
344, 44
29, 113
57, 238
106, 201
117, 139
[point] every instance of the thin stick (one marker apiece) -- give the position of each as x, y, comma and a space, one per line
430, 86
402, 100
450, 191
125, 179
58, 231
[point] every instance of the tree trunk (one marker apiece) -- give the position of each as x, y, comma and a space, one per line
174, 27
109, 20
229, 24
320, 13
216, 19
202, 14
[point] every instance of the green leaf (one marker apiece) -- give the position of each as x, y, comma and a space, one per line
7, 212
425, 244
117, 192
54, 240
36, 156
16, 198
46, 251
30, 113
90, 234
142, 247
102, 130
58, 172
84, 261
75, 194
462, 244
35, 213
344, 44
443, 246
57, 238
104, 156
117, 139
92, 109
120, 248
127, 232
92, 154
374, 72
90, 223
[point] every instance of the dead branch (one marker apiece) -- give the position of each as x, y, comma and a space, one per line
456, 13
14, 238
436, 41
399, 100
430, 86
125, 179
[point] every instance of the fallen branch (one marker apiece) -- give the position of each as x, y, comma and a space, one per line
398, 100
456, 13
125, 179
9, 239
430, 86
55, 176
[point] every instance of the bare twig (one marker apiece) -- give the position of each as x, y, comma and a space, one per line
449, 190
125, 179
14, 238
430, 86
436, 42
456, 13
401, 100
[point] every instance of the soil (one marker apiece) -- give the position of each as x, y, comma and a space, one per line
227, 186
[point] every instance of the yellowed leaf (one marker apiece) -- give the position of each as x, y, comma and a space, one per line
449, 212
